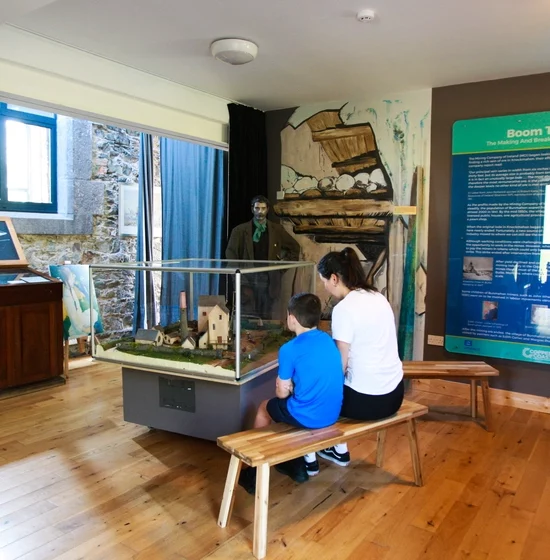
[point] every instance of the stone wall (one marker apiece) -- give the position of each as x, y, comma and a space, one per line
112, 161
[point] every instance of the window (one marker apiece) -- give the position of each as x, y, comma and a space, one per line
27, 160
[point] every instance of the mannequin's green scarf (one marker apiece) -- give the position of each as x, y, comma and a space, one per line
260, 228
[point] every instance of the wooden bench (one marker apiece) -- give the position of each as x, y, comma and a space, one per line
265, 447
474, 371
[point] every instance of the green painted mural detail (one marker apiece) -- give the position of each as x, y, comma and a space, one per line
405, 333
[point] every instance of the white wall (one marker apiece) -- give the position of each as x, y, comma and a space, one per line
84, 85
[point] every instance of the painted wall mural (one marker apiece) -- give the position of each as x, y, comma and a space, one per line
357, 174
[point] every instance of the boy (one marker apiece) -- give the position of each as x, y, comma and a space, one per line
309, 387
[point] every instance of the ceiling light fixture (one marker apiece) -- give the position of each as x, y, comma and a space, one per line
234, 51
366, 15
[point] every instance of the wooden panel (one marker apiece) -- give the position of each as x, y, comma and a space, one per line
339, 132
498, 396
10, 345
17, 294
368, 225
323, 207
281, 442
325, 119
404, 210
38, 359
7, 348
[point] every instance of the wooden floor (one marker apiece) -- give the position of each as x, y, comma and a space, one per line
76, 482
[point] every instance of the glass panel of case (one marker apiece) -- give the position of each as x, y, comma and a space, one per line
210, 318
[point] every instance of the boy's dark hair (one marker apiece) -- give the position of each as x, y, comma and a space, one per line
259, 198
306, 308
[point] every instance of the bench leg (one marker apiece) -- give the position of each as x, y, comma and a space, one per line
259, 547
229, 491
487, 405
381, 443
473, 397
415, 455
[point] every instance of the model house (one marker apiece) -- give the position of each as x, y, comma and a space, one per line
218, 327
417, 133
171, 339
216, 335
190, 342
149, 336
206, 304
204, 340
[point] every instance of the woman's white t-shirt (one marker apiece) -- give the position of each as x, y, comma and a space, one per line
366, 322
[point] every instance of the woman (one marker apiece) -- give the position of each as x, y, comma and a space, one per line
363, 326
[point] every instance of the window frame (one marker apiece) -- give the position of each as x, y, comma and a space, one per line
34, 120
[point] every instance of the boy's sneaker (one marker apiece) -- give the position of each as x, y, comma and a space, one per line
331, 454
295, 469
312, 468
247, 479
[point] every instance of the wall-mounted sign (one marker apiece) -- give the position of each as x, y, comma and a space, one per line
11, 253
498, 290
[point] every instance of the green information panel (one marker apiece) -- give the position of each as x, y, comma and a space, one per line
502, 134
498, 288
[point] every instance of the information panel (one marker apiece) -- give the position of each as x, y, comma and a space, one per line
498, 295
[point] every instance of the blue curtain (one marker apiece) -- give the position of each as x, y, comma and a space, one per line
144, 302
193, 181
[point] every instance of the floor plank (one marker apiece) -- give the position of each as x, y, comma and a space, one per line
77, 482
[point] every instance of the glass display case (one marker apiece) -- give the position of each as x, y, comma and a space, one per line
208, 356
213, 318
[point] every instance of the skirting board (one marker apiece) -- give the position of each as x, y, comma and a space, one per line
498, 396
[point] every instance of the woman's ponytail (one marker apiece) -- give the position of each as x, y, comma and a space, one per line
347, 266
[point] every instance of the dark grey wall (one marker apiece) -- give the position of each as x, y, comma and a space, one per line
275, 122
449, 104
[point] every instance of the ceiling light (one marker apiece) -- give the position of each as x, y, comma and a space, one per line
366, 15
234, 51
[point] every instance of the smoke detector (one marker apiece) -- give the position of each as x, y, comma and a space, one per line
234, 51
366, 15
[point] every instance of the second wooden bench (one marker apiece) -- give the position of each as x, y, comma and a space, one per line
472, 371
265, 447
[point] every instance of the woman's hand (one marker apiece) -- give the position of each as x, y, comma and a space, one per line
344, 352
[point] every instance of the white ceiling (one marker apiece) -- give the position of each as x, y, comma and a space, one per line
310, 50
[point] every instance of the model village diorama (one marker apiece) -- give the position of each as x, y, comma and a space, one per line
203, 346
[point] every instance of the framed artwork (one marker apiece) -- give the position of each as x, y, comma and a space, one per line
11, 253
78, 296
128, 210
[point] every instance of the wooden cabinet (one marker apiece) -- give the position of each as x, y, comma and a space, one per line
31, 327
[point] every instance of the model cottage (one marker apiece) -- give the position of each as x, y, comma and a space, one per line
213, 322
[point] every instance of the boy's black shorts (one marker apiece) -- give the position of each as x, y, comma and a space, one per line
277, 409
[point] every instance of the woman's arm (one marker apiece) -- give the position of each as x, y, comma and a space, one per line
283, 387
344, 352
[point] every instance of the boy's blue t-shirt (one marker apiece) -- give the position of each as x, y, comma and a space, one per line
314, 364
